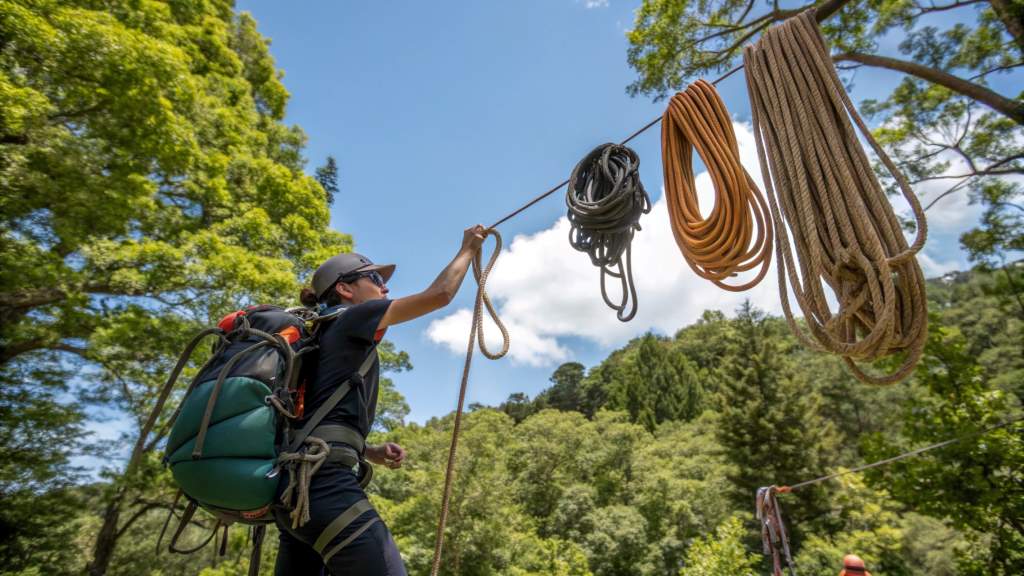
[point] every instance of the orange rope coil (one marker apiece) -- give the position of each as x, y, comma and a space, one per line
723, 244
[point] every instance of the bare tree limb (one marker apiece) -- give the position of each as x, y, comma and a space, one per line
1010, 108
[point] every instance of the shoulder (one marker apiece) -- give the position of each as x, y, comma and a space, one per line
361, 320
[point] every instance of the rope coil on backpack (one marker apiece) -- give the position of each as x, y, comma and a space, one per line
302, 465
826, 200
476, 337
723, 244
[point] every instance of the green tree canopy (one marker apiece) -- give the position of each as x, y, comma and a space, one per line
149, 186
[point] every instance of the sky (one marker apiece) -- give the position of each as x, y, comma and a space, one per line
445, 115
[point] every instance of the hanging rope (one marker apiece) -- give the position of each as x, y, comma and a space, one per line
605, 200
476, 336
301, 466
825, 198
723, 244
773, 531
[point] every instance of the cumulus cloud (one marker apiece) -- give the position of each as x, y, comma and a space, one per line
594, 3
546, 291
933, 267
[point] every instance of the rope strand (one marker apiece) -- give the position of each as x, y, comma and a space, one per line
476, 336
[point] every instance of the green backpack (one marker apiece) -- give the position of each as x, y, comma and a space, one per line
236, 419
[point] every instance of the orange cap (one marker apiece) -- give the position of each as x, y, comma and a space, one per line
853, 566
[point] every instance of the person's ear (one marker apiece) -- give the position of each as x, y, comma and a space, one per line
344, 290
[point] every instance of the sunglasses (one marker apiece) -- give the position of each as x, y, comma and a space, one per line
373, 275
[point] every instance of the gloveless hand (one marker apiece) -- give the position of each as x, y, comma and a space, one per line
387, 454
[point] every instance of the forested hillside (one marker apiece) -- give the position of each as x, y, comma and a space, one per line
150, 183
648, 462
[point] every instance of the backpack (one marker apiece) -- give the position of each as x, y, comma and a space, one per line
234, 428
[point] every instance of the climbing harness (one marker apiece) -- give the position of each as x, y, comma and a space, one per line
476, 335
723, 244
773, 531
826, 200
605, 200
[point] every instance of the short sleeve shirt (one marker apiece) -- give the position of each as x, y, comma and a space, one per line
344, 343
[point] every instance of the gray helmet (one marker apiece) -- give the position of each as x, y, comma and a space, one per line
343, 265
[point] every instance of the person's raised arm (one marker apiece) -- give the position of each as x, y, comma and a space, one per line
441, 292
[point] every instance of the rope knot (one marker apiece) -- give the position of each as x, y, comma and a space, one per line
302, 465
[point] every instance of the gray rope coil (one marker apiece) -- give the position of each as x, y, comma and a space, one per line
605, 200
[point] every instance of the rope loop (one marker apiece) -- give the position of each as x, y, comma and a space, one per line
481, 273
483, 301
723, 244
828, 206
605, 200
302, 465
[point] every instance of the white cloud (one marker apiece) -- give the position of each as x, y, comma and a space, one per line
546, 291
594, 3
528, 346
933, 268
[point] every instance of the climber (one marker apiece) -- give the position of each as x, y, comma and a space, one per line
344, 533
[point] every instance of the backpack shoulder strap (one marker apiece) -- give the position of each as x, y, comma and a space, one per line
331, 402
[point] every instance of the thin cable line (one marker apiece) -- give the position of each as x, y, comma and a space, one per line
558, 187
900, 456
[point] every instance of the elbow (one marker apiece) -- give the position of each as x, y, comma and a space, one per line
440, 297
445, 298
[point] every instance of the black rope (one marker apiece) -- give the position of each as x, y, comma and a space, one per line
605, 200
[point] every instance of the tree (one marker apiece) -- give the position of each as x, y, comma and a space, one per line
944, 123
866, 523
327, 176
770, 423
565, 392
721, 553
517, 406
976, 483
149, 185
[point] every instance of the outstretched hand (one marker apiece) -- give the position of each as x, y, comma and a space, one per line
473, 238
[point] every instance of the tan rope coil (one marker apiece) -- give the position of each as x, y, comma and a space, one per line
476, 335
302, 465
723, 244
823, 192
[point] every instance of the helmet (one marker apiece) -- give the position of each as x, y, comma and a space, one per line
343, 265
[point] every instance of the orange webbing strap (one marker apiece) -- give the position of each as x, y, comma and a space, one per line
723, 244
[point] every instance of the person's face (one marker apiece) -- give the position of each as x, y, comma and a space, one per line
363, 289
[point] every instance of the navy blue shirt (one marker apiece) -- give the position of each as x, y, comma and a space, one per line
344, 343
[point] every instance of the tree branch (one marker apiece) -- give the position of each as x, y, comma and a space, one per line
23, 300
1012, 15
1007, 107
828, 8
14, 139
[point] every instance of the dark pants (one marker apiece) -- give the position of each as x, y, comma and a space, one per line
332, 491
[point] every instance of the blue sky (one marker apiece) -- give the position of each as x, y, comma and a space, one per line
445, 115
